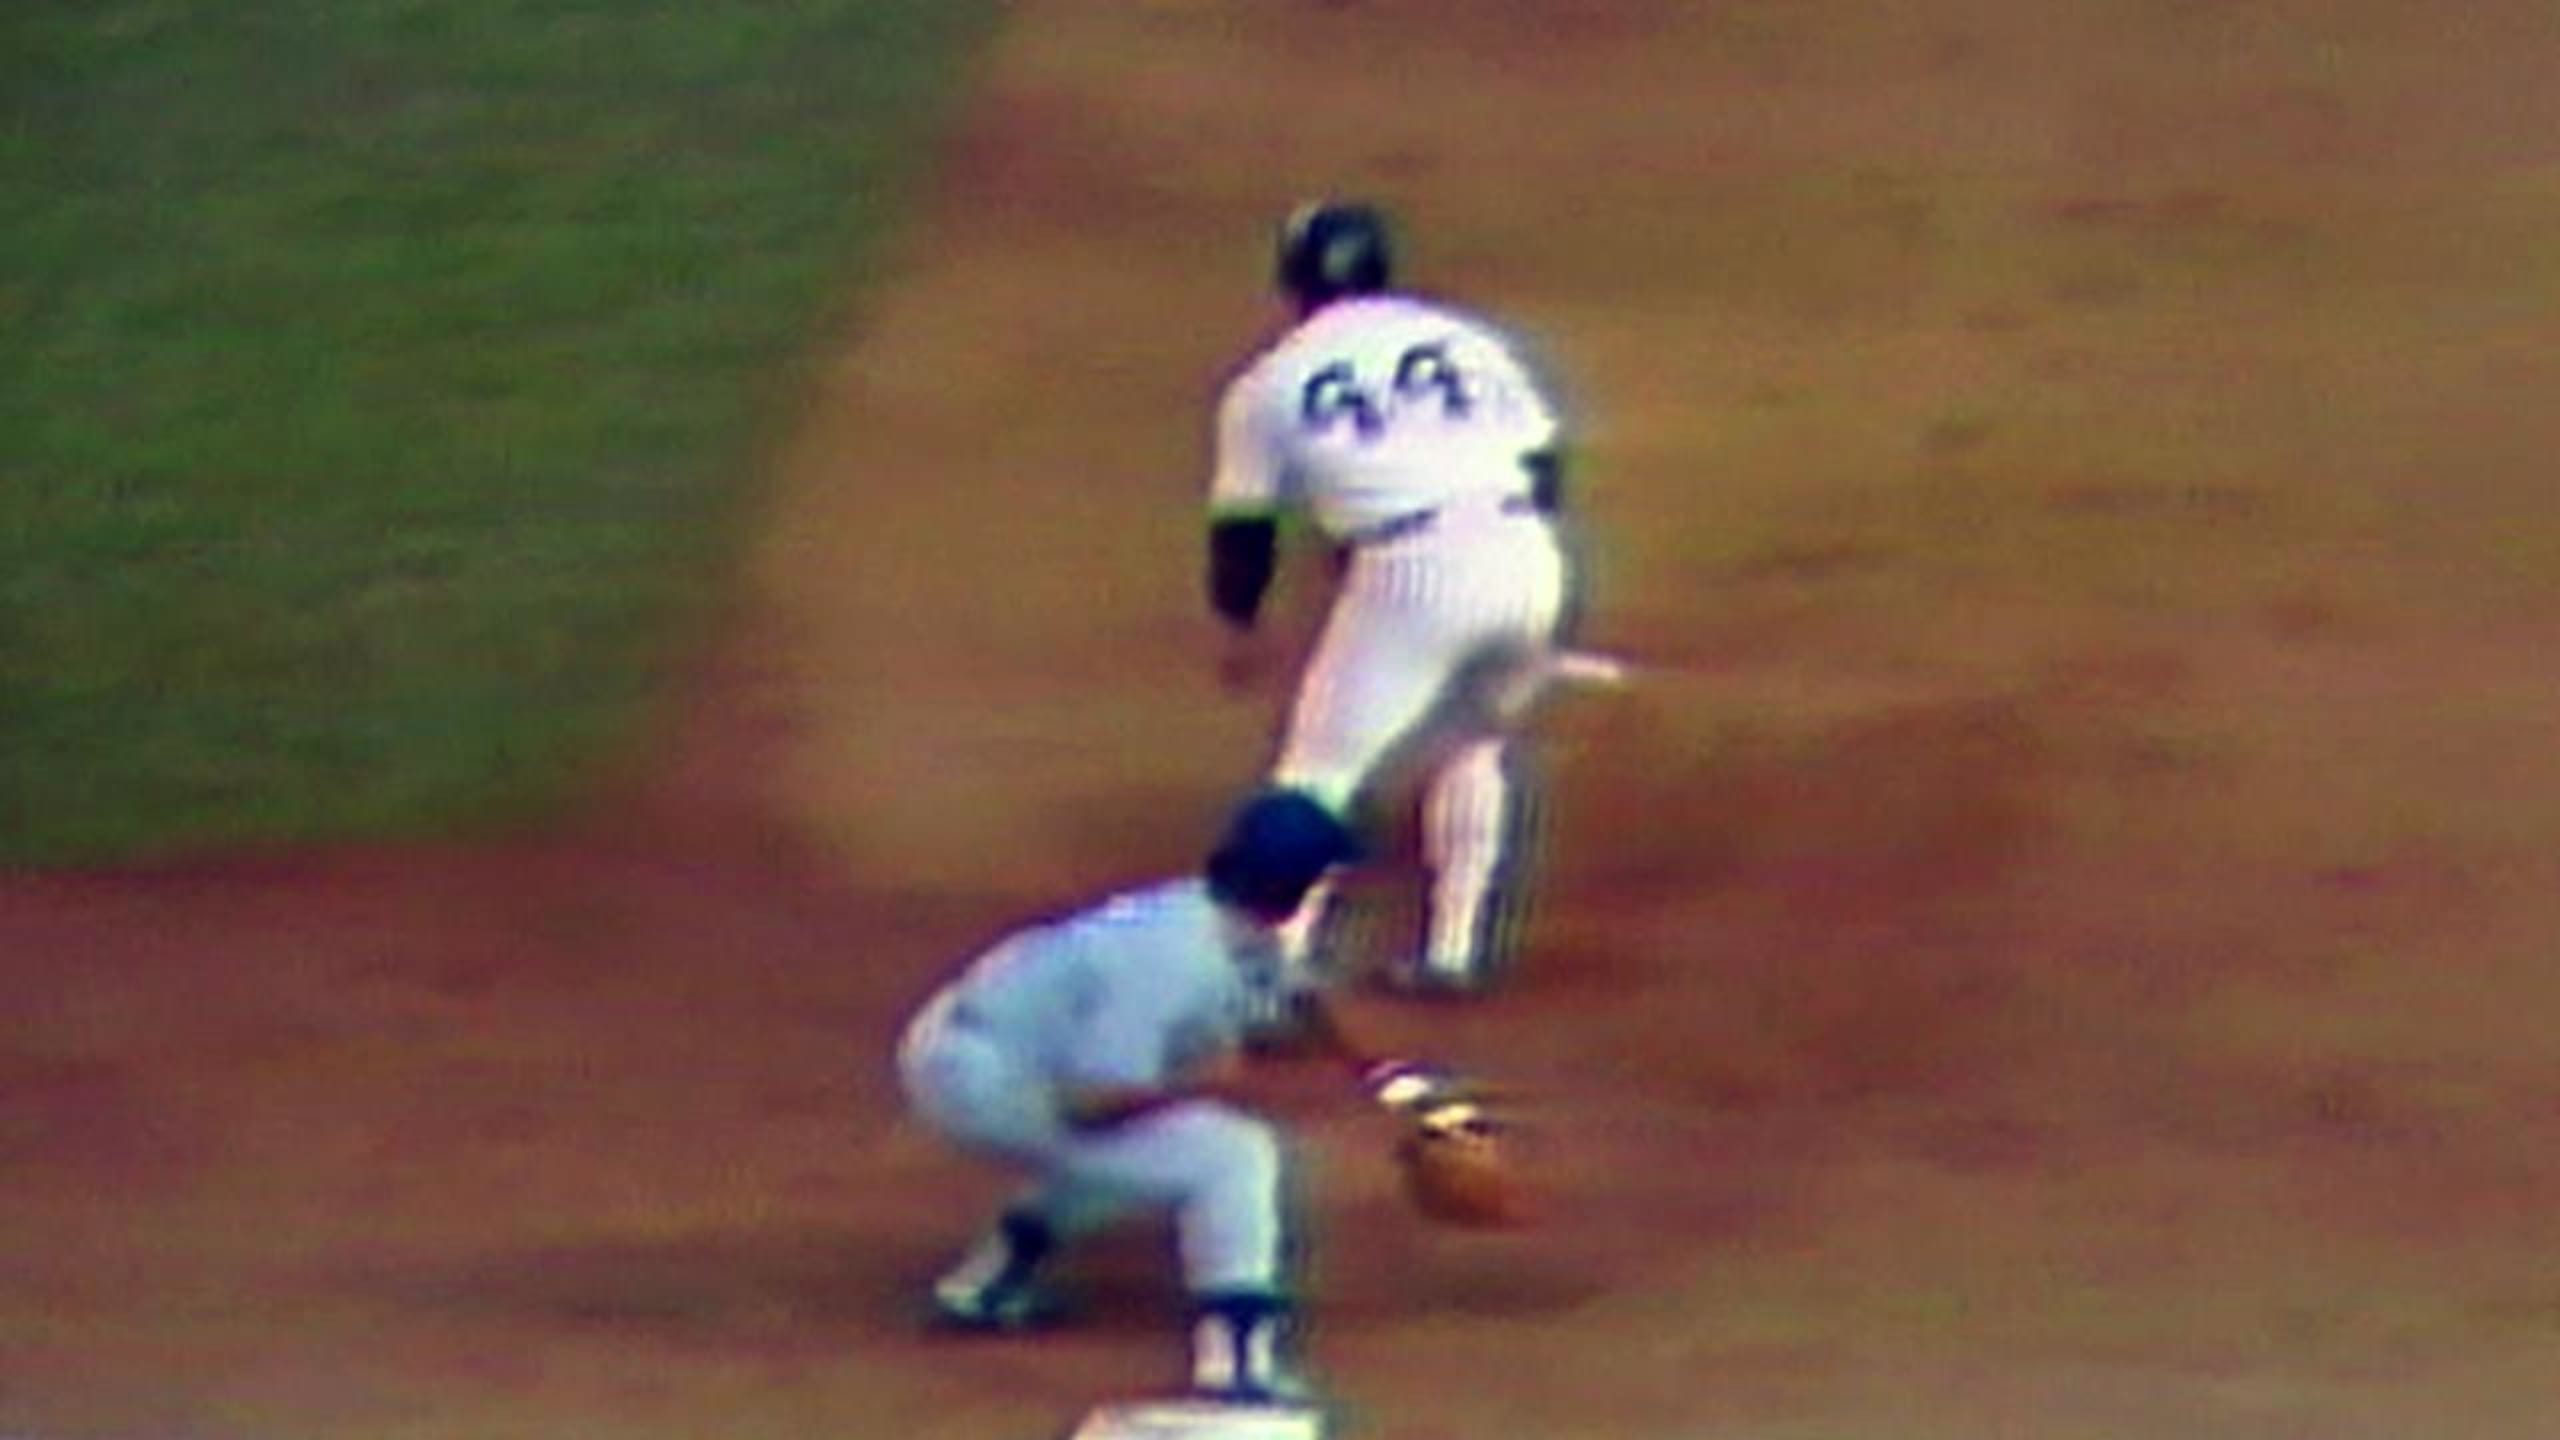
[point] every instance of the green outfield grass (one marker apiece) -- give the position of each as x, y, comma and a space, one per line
386, 383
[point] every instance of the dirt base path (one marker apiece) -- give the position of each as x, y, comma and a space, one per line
2059, 945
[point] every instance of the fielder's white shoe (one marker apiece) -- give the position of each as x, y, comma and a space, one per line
995, 1287
1238, 1352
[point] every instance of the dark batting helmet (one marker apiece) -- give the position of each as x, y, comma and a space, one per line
1333, 248
1277, 846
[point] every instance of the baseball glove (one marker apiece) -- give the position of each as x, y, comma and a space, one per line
1458, 1167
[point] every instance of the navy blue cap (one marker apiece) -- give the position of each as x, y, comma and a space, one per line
1276, 847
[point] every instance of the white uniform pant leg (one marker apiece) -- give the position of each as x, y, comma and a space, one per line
1381, 664
1508, 585
1220, 1170
1378, 669
1465, 817
972, 1093
1414, 620
1217, 1168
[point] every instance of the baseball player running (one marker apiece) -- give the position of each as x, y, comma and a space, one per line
1416, 438
1091, 1055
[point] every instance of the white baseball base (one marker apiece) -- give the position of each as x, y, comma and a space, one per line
1200, 1420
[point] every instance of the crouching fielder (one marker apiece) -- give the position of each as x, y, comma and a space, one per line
1092, 1055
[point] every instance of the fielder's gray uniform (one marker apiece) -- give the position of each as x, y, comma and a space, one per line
1130, 992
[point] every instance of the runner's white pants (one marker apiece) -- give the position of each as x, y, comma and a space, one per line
1423, 629
1478, 590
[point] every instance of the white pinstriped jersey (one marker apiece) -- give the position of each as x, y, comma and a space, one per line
1376, 407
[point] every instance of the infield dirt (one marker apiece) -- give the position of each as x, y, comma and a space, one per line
2060, 942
